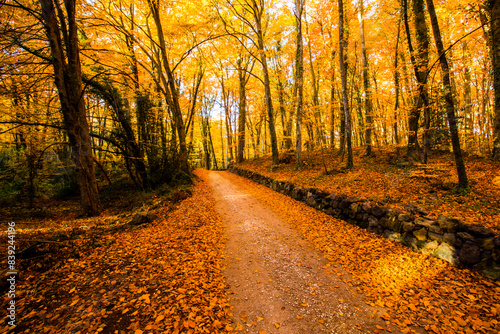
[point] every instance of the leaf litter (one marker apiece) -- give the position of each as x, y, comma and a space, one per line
419, 291
163, 278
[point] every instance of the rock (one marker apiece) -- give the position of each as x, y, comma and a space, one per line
414, 209
496, 241
394, 224
489, 268
450, 238
393, 236
354, 207
384, 221
435, 236
141, 218
470, 254
435, 229
367, 206
410, 241
378, 211
311, 201
496, 255
446, 252
480, 231
297, 193
424, 222
488, 244
420, 234
465, 236
372, 222
430, 247
449, 225
408, 226
404, 217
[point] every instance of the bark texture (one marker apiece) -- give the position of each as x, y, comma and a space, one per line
62, 33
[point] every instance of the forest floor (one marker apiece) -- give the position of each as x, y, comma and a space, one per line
390, 179
419, 292
233, 257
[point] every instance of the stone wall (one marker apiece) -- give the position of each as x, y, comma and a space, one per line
450, 239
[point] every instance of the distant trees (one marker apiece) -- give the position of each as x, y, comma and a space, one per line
152, 88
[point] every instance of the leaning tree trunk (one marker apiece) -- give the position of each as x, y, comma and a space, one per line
343, 77
65, 53
170, 89
258, 12
448, 97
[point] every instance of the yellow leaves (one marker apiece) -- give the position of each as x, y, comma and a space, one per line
159, 318
260, 318
277, 325
138, 331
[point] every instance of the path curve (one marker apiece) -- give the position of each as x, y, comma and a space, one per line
277, 282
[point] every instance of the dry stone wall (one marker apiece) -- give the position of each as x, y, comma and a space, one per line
471, 246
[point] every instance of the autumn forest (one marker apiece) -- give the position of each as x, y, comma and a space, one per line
119, 119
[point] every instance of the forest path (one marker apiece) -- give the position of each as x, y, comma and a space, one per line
277, 282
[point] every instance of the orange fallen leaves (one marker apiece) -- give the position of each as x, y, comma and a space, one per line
165, 277
377, 179
417, 290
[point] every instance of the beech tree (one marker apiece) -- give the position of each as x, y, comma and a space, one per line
493, 8
62, 33
366, 81
448, 97
343, 78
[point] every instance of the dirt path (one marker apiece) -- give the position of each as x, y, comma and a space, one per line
277, 282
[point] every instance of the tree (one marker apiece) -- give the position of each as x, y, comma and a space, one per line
366, 82
299, 78
343, 78
169, 88
257, 25
493, 8
448, 97
420, 61
242, 65
62, 34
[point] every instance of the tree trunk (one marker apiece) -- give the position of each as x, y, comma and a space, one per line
170, 89
450, 107
366, 82
419, 60
242, 76
493, 7
332, 103
396, 104
258, 12
343, 77
65, 53
299, 79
